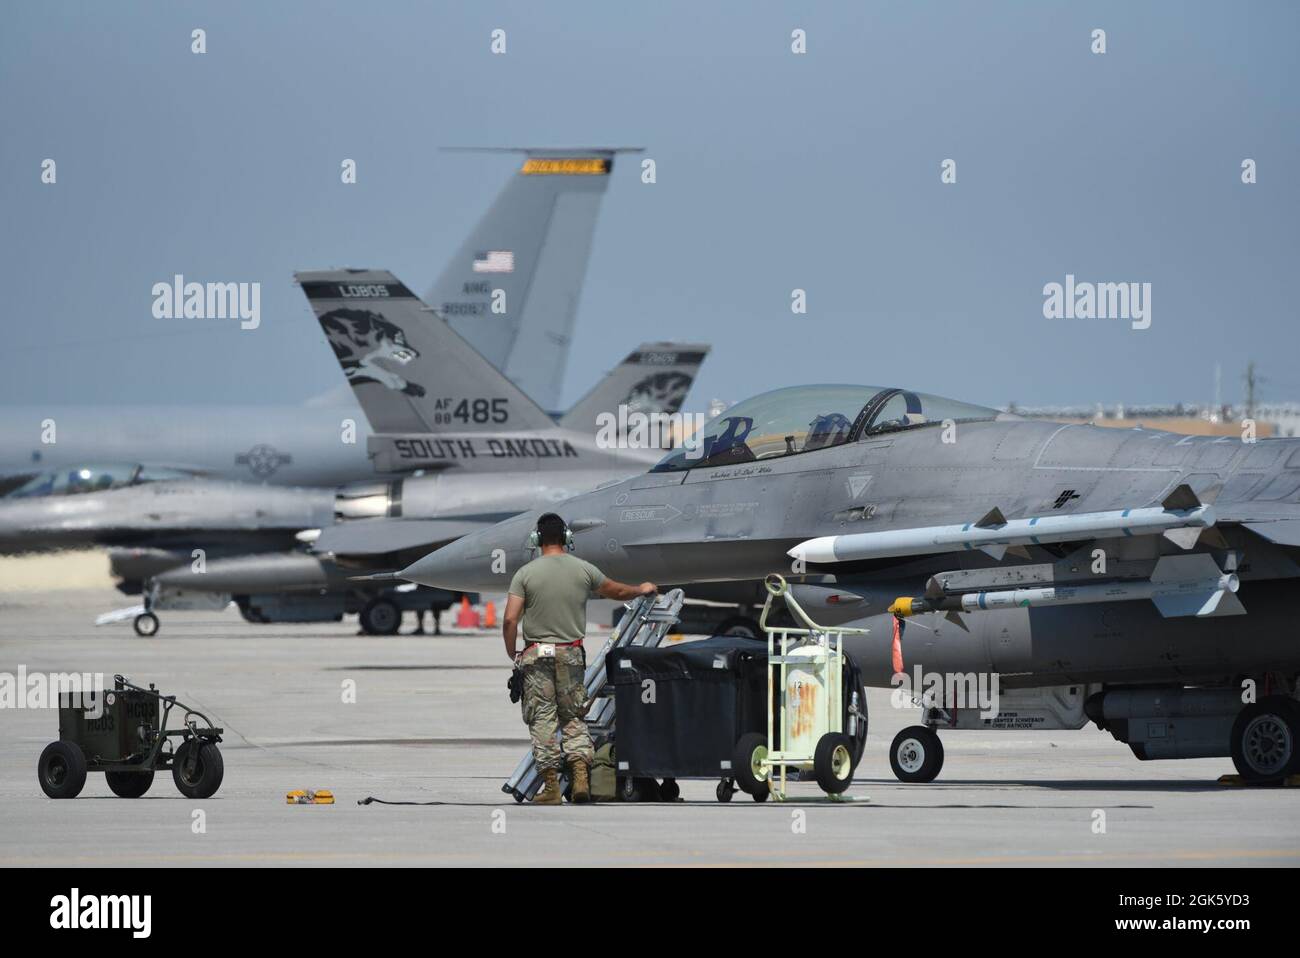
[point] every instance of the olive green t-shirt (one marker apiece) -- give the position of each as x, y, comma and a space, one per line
555, 589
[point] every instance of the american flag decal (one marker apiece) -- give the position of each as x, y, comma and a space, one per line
494, 261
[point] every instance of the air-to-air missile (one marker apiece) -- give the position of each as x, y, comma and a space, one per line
994, 534
1179, 585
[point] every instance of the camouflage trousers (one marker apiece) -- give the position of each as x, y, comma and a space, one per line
554, 703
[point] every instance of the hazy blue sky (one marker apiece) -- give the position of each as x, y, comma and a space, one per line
775, 171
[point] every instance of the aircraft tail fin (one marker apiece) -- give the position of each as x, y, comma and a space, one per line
410, 371
654, 378
512, 288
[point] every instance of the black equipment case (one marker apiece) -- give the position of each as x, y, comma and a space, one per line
682, 708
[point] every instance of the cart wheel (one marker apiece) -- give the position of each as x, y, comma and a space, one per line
726, 788
129, 784
61, 770
629, 789
916, 754
833, 762
762, 794
381, 617
209, 769
746, 762
670, 791
146, 625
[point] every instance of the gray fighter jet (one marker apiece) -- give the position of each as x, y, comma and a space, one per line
153, 484
1138, 579
476, 448
511, 290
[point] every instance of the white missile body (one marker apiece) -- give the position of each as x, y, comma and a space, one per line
1199, 597
1181, 526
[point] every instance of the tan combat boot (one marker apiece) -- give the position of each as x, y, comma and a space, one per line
581, 782
550, 793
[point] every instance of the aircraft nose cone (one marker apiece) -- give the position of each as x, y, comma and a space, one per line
483, 561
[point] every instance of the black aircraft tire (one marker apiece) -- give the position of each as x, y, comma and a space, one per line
381, 617
145, 625
916, 754
208, 773
740, 625
751, 749
1266, 741
129, 784
61, 770
669, 790
833, 762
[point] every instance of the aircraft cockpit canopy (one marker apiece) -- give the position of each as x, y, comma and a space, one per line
90, 478
798, 419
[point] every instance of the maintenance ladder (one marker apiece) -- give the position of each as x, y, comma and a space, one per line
646, 622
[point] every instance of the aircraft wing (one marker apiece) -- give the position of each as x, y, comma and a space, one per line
369, 537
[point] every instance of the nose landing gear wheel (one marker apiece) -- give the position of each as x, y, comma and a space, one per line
146, 625
381, 617
916, 754
1265, 740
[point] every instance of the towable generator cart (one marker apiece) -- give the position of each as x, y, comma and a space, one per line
123, 733
808, 716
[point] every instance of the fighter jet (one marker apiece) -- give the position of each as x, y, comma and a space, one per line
477, 450
1138, 579
511, 290
153, 484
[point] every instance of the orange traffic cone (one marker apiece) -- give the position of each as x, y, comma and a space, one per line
490, 616
467, 618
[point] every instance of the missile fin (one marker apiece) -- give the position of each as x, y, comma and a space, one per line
1184, 538
1203, 604
955, 618
992, 519
1185, 568
996, 551
1181, 498
933, 588
1019, 551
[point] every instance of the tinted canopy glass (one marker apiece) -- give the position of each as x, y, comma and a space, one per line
798, 419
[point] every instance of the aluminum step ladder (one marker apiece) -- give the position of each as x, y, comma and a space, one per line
645, 623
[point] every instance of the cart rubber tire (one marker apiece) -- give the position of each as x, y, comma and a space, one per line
751, 749
380, 617
62, 770
207, 774
1266, 741
916, 754
129, 784
145, 625
763, 795
833, 762
670, 791
725, 790
629, 789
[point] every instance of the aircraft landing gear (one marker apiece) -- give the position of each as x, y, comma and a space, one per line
381, 617
145, 625
1266, 740
916, 754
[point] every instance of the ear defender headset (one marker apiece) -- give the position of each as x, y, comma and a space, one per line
535, 537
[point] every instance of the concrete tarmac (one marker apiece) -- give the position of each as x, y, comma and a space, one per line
431, 722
